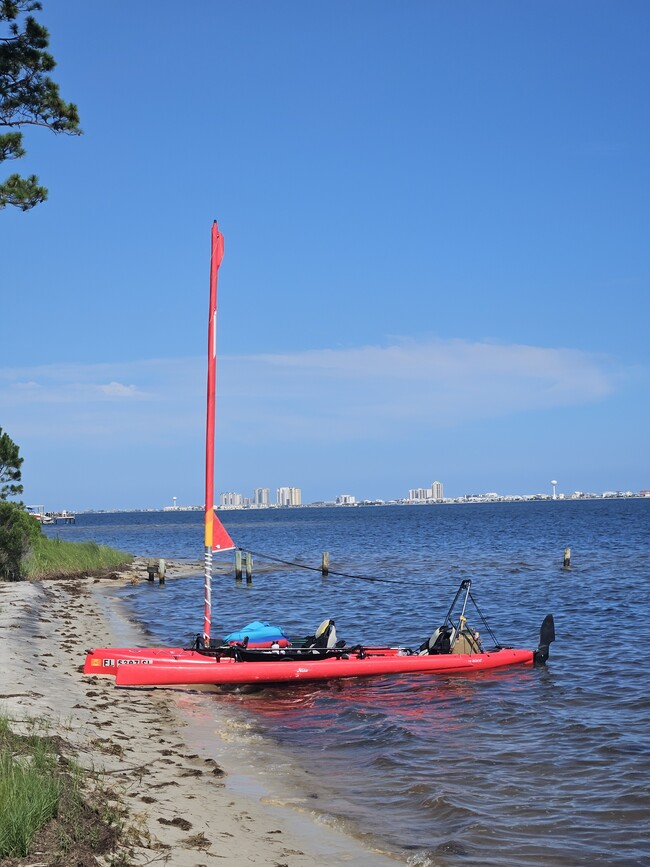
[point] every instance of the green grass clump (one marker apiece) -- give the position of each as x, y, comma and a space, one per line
30, 789
54, 557
47, 802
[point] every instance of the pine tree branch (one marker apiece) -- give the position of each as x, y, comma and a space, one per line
28, 97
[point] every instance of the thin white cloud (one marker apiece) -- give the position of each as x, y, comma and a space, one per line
327, 395
374, 392
135, 400
69, 392
117, 389
26, 386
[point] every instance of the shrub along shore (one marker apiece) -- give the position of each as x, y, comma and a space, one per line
27, 553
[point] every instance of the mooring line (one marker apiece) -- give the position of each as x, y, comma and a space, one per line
373, 578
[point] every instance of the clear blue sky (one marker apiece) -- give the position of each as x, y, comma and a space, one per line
436, 218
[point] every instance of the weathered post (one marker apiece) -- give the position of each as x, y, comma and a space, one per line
567, 559
152, 569
237, 565
249, 567
325, 565
161, 571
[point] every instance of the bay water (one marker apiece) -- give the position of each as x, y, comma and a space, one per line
547, 765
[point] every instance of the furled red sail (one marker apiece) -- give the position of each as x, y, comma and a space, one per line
216, 535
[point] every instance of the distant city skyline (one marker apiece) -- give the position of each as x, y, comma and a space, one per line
348, 500
284, 496
292, 497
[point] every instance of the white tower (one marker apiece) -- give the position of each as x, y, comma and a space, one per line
174, 502
554, 483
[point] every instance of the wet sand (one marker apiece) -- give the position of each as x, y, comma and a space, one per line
183, 804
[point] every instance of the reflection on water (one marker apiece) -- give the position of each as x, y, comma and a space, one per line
526, 766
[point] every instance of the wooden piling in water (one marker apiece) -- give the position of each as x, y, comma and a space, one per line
325, 565
248, 558
156, 567
238, 566
567, 559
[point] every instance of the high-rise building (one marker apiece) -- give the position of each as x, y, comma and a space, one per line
289, 497
345, 500
282, 497
262, 497
231, 500
421, 495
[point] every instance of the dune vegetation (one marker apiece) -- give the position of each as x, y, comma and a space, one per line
27, 553
54, 558
45, 801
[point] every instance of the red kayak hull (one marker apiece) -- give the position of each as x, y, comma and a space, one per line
158, 672
106, 660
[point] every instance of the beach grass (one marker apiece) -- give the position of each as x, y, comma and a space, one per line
57, 558
43, 803
30, 789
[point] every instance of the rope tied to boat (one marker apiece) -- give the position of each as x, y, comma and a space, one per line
373, 578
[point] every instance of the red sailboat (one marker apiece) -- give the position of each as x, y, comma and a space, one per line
454, 647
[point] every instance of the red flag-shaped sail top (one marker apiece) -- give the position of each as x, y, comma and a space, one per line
221, 540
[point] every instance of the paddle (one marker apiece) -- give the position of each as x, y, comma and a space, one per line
546, 636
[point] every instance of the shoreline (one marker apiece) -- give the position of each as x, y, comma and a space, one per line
156, 747
469, 500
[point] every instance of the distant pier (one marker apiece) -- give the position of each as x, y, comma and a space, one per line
44, 517
63, 517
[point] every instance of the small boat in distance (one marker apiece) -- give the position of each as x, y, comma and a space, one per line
38, 512
453, 648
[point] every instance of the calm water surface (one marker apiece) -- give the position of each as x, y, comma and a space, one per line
524, 766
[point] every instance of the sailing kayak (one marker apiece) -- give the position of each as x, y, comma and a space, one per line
228, 670
454, 648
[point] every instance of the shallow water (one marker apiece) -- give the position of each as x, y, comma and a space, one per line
523, 766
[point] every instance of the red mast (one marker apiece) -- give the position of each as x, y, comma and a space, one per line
216, 536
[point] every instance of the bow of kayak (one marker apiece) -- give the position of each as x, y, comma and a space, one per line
106, 660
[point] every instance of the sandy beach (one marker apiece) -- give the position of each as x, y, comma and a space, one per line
188, 809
